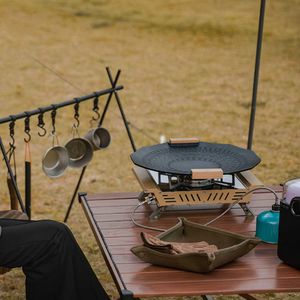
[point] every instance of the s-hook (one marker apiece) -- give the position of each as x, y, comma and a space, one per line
41, 123
76, 113
12, 132
27, 127
12, 147
96, 109
53, 116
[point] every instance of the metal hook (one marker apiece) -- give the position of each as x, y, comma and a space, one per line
53, 116
41, 123
96, 109
12, 132
27, 127
76, 114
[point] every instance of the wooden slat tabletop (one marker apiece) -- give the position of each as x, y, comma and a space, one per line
259, 271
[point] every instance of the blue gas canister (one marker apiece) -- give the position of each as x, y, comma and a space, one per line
267, 224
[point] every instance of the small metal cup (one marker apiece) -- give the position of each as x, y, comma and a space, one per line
80, 152
98, 137
55, 161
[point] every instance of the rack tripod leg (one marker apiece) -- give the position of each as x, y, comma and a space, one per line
122, 112
74, 194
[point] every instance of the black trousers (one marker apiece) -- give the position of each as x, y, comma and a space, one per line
54, 265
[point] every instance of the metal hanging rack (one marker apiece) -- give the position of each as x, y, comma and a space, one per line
59, 105
53, 107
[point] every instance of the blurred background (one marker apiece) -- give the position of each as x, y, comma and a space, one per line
187, 70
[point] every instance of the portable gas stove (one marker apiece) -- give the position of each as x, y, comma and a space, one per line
185, 172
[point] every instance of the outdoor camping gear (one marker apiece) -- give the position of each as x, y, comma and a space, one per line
267, 222
11, 175
55, 161
27, 167
56, 158
230, 246
80, 152
28, 180
289, 225
12, 157
180, 158
291, 189
79, 149
109, 92
41, 123
175, 247
186, 171
98, 137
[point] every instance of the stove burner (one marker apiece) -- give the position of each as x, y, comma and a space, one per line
186, 183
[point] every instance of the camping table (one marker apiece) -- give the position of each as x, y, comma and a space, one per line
260, 271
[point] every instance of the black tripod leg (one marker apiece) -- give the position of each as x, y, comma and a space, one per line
74, 194
122, 113
114, 83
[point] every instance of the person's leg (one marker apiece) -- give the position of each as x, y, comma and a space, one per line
52, 261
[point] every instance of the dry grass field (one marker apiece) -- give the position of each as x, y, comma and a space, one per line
187, 70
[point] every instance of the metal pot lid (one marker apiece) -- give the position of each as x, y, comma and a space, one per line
180, 159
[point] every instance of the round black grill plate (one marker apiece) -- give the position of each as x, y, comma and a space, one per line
179, 160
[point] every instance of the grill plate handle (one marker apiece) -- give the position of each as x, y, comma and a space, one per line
184, 141
207, 173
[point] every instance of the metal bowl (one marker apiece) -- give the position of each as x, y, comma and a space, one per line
80, 152
55, 161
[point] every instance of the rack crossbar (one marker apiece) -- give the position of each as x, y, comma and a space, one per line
59, 105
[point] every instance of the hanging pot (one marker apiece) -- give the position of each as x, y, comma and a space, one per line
55, 160
80, 152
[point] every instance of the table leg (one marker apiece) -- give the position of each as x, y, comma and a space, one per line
127, 295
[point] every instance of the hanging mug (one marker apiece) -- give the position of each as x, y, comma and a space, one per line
55, 160
98, 137
79, 149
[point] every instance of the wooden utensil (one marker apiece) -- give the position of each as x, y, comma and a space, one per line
28, 180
